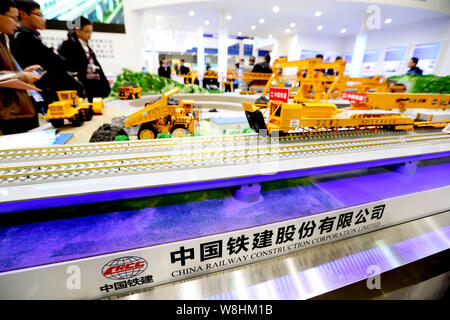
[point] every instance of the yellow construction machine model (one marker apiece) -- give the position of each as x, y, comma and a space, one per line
402, 101
314, 82
129, 91
162, 117
70, 106
373, 114
310, 76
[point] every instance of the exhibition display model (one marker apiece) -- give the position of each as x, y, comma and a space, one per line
130, 91
312, 117
73, 108
160, 117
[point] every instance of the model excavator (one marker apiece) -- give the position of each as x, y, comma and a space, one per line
161, 117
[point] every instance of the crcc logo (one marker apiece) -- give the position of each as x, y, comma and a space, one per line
124, 268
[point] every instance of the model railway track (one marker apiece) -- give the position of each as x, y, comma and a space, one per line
84, 169
142, 146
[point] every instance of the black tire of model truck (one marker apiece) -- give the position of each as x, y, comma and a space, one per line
57, 123
79, 119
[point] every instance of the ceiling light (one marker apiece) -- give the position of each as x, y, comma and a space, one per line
343, 30
275, 9
388, 20
191, 13
239, 33
270, 36
206, 23
253, 27
261, 20
318, 13
158, 18
319, 27
288, 30
228, 17
292, 25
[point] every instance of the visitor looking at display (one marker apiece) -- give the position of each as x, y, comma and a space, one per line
334, 72
263, 67
413, 68
319, 59
164, 68
28, 48
17, 112
82, 60
184, 71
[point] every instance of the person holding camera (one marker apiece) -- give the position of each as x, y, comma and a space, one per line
81, 60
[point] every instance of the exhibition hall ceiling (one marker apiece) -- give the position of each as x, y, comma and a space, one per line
259, 18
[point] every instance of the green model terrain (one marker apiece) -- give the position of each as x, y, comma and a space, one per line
153, 84
423, 84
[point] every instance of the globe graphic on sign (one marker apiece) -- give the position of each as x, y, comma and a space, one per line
124, 274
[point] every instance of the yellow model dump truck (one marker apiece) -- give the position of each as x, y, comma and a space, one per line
70, 106
129, 91
160, 117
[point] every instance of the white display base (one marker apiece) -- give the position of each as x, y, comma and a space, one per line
160, 264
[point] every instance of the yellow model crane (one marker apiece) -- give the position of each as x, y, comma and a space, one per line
162, 117
316, 85
309, 77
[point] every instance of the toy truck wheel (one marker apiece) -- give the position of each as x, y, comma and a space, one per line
179, 132
147, 132
57, 123
87, 114
79, 119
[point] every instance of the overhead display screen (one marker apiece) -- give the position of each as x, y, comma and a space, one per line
427, 54
370, 62
394, 61
108, 14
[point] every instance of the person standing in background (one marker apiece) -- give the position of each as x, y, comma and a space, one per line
17, 113
334, 72
164, 68
184, 71
28, 48
263, 67
413, 68
81, 60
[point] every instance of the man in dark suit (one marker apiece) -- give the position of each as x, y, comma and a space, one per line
263, 67
82, 61
28, 48
184, 70
164, 68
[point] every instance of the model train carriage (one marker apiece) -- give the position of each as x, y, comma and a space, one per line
284, 117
